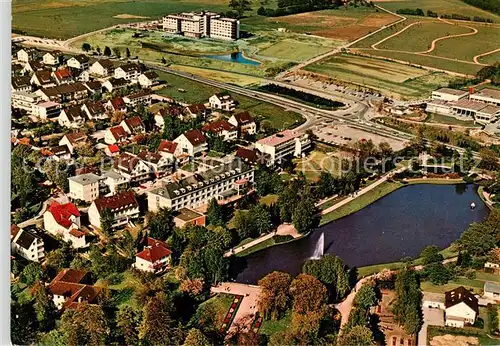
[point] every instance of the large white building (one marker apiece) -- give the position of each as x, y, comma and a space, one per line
28, 245
24, 100
84, 187
220, 182
461, 308
123, 207
202, 24
282, 145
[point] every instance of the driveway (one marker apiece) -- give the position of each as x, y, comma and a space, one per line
431, 317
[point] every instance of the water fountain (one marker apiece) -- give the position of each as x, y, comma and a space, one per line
320, 247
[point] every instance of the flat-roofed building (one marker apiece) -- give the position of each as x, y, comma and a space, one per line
202, 24
186, 216
225, 28
84, 187
448, 94
46, 110
24, 100
284, 144
220, 182
490, 96
475, 110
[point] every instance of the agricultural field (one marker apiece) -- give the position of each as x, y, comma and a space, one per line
418, 37
69, 18
490, 58
293, 50
226, 77
195, 92
391, 78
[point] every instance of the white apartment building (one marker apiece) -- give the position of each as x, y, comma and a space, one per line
129, 72
490, 96
123, 207
220, 182
222, 101
28, 245
284, 144
24, 100
202, 24
84, 187
46, 110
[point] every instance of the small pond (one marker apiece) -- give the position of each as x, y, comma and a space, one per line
237, 57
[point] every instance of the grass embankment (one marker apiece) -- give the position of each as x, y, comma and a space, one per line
361, 202
213, 311
276, 240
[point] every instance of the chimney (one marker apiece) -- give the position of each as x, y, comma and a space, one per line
471, 90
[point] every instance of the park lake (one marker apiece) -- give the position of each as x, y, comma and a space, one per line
234, 57
396, 226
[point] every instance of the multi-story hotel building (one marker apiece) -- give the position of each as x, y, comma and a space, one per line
203, 24
220, 182
284, 144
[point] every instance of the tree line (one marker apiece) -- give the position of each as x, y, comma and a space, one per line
420, 12
318, 101
287, 7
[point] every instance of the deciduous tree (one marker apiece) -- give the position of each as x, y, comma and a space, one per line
161, 223
309, 294
274, 299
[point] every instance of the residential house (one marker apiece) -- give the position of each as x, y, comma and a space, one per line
32, 66
461, 308
491, 290
94, 86
84, 187
116, 104
80, 62
158, 164
94, 110
123, 206
192, 142
115, 182
133, 125
141, 97
80, 75
64, 93
71, 287
252, 156
283, 145
28, 245
132, 167
245, 123
148, 79
129, 71
114, 135
225, 182
155, 256
222, 101
115, 84
112, 150
63, 76
24, 100
27, 54
64, 220
16, 69
73, 140
167, 148
60, 153
186, 216
42, 79
102, 68
53, 58
22, 83
46, 110
72, 117
223, 129
196, 110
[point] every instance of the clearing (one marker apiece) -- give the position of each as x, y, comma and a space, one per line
128, 16
293, 50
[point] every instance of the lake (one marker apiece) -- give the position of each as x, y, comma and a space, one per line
234, 57
396, 226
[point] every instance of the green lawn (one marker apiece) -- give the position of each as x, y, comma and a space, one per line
269, 199
361, 202
391, 78
212, 312
269, 327
490, 59
293, 50
475, 285
443, 119
260, 246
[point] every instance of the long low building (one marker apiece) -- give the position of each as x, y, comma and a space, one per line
220, 182
283, 145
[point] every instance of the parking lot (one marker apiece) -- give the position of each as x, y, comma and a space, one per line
346, 135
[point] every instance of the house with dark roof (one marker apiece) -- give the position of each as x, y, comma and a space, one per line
222, 101
73, 140
64, 93
33, 66
221, 128
158, 164
123, 207
196, 110
245, 122
72, 117
94, 110
63, 220
133, 125
192, 142
252, 156
167, 148
42, 79
461, 307
72, 287
28, 245
148, 79
116, 105
115, 135
94, 86
102, 68
115, 84
129, 71
22, 83
60, 152
132, 167
63, 76
154, 258
80, 62
142, 97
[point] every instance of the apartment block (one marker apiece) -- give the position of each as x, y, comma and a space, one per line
202, 24
282, 145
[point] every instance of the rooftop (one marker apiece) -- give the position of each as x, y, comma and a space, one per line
279, 138
470, 104
493, 93
86, 179
451, 91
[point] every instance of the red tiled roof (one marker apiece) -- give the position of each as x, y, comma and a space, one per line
117, 103
118, 132
76, 233
63, 212
135, 123
123, 200
155, 251
197, 108
219, 126
113, 148
63, 73
14, 229
167, 146
65, 288
76, 137
243, 118
195, 137
70, 275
